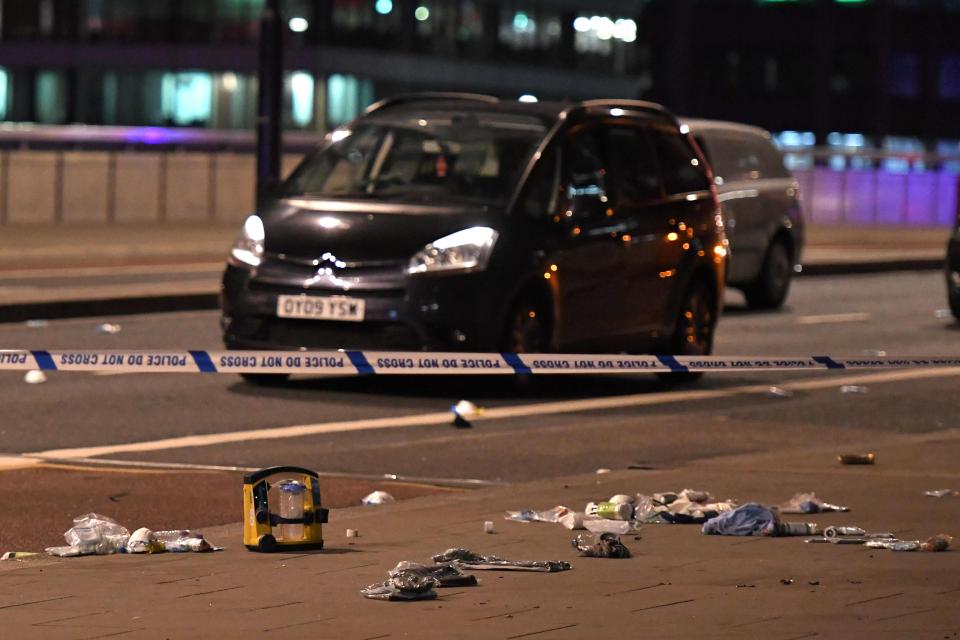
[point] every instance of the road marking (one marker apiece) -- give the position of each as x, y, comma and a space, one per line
10, 463
496, 413
834, 318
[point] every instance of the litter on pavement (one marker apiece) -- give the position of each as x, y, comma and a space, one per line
463, 412
857, 458
377, 497
853, 388
689, 506
37, 324
108, 328
939, 542
600, 545
447, 574
809, 503
470, 560
405, 585
779, 392
750, 519
941, 493
95, 534
35, 376
18, 555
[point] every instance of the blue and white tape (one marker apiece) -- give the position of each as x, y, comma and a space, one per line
419, 362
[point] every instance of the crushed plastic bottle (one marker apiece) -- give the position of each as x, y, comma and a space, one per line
447, 574
941, 493
529, 515
90, 534
600, 545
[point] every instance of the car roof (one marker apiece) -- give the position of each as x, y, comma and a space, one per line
698, 125
546, 111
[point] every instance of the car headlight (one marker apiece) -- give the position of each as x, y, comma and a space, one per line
466, 250
248, 249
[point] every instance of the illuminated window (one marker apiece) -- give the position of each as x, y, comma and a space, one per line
187, 98
4, 79
347, 96
51, 97
301, 98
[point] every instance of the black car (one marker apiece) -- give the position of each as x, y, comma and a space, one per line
761, 208
461, 222
953, 269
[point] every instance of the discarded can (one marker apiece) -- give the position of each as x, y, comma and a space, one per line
488, 526
18, 555
610, 510
836, 532
796, 529
353, 533
857, 458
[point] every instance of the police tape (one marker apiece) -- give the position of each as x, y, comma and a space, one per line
343, 362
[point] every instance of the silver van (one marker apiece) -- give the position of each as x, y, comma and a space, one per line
761, 206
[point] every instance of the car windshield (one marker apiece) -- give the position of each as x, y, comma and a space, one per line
424, 159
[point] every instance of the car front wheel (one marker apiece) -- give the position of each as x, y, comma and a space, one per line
771, 286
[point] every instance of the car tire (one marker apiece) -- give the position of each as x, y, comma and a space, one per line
693, 335
265, 379
953, 297
528, 327
770, 288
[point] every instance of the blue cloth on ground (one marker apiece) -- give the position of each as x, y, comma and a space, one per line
750, 519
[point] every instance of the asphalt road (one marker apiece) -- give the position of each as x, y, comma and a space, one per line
638, 421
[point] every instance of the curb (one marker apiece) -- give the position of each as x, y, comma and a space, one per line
56, 310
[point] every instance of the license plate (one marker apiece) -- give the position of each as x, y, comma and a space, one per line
317, 308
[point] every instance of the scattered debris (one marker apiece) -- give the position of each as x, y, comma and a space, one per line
640, 466
746, 586
488, 526
796, 529
92, 533
35, 376
530, 515
853, 388
37, 324
602, 470
604, 525
353, 533
470, 560
809, 503
108, 328
813, 583
447, 574
600, 545
857, 458
18, 555
875, 352
942, 313
404, 585
939, 542
941, 493
610, 510
750, 519
837, 532
893, 544
463, 411
377, 497
688, 506
779, 392
786, 580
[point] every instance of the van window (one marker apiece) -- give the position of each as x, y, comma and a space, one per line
540, 194
682, 170
741, 157
633, 163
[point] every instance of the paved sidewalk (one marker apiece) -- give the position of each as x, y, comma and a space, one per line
679, 584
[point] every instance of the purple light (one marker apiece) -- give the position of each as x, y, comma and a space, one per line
158, 135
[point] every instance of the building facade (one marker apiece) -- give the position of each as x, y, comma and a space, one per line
879, 69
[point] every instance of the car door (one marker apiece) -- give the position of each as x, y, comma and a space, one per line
589, 265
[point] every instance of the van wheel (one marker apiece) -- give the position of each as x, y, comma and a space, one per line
265, 379
528, 328
770, 288
693, 335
